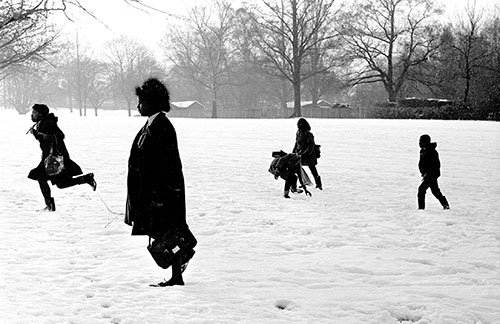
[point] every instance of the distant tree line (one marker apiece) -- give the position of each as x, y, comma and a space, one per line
263, 55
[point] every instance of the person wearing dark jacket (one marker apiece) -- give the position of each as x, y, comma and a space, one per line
155, 181
288, 167
50, 137
429, 166
306, 148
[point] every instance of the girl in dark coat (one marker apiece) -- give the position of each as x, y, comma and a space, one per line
50, 136
155, 182
306, 148
429, 166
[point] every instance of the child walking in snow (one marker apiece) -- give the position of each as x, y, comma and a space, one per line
429, 166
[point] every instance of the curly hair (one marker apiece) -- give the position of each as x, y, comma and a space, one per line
155, 93
303, 125
41, 108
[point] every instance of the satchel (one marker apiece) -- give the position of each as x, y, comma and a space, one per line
175, 243
317, 148
54, 162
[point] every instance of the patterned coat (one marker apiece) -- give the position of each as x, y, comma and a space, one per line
155, 182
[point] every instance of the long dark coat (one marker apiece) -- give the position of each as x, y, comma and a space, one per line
305, 147
49, 134
155, 177
429, 164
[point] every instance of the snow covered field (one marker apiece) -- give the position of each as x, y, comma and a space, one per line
357, 252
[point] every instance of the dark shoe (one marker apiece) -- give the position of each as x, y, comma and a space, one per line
50, 205
46, 209
286, 195
169, 283
295, 190
91, 181
444, 203
319, 185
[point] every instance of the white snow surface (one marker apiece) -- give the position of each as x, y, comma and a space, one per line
357, 252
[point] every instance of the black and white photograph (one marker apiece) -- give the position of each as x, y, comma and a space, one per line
250, 161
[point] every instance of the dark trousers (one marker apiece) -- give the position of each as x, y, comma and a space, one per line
314, 171
61, 184
432, 183
291, 182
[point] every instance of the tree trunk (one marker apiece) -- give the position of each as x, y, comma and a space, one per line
391, 92
392, 96
283, 98
467, 83
297, 112
315, 91
214, 103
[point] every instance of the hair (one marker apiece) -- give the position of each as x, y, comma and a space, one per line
303, 125
155, 93
426, 139
42, 109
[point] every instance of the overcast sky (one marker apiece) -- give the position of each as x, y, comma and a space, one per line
149, 26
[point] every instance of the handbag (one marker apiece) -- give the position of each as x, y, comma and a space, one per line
177, 242
54, 162
317, 148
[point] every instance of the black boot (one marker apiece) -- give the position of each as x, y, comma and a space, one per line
319, 185
444, 203
50, 204
89, 178
421, 202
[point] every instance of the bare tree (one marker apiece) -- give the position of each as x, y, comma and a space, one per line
26, 84
25, 30
97, 87
385, 39
201, 46
290, 30
470, 46
85, 80
129, 64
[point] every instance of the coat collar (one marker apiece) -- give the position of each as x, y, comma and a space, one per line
152, 118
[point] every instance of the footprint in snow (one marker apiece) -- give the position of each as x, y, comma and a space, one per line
284, 304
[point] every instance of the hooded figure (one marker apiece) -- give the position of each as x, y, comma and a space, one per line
429, 166
51, 137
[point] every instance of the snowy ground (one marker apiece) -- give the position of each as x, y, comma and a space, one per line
357, 252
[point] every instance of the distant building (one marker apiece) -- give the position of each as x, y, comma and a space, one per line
324, 109
191, 109
425, 102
